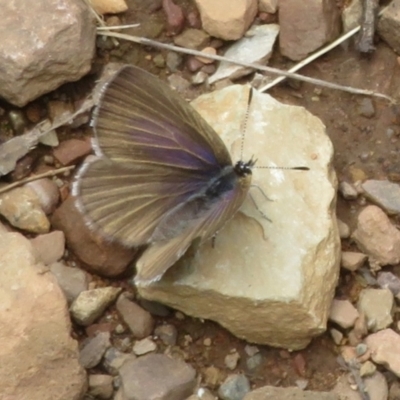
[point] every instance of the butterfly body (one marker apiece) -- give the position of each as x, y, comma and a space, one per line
163, 177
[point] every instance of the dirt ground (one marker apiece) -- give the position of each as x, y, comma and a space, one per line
364, 148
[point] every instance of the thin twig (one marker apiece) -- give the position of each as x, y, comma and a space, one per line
276, 71
36, 177
110, 28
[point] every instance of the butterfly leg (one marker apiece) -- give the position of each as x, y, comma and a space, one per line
258, 209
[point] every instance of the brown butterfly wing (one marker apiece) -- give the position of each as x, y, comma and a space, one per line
156, 152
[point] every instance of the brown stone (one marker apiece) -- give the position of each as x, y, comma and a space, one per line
306, 26
102, 256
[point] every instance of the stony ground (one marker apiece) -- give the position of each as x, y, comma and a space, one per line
365, 133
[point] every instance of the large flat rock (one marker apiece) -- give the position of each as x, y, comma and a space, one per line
269, 282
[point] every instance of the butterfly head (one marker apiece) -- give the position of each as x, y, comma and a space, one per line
243, 168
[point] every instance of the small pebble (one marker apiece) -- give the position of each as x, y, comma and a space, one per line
199, 78
352, 261
344, 230
93, 350
254, 362
210, 51
22, 209
231, 360
336, 335
251, 350
90, 304
114, 359
167, 333
159, 61
343, 313
144, 346
348, 191
207, 342
17, 121
366, 108
367, 369
377, 305
361, 349
180, 316
100, 386
173, 61
235, 387
139, 321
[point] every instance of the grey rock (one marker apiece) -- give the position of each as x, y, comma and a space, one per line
173, 61
178, 83
167, 333
93, 350
255, 47
366, 108
383, 193
90, 304
235, 387
17, 121
114, 359
72, 281
157, 377
139, 321
101, 386
253, 362
387, 280
46, 47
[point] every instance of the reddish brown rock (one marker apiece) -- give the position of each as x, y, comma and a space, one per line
306, 26
377, 236
72, 150
175, 17
104, 257
139, 321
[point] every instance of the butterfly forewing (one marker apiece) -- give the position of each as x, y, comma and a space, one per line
156, 152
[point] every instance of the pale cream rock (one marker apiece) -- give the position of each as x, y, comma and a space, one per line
227, 19
269, 282
109, 6
268, 6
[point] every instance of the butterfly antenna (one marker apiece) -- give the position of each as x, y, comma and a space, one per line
295, 168
246, 118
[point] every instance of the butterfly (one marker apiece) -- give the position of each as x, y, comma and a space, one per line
162, 177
